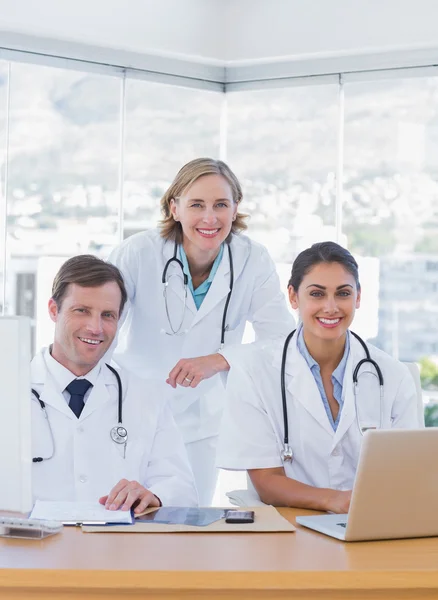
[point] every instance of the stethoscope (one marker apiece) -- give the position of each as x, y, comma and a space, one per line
287, 454
165, 282
118, 433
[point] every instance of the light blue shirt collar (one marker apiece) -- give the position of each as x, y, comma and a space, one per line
337, 375
201, 291
339, 372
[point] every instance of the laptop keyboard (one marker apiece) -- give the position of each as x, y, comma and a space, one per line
342, 524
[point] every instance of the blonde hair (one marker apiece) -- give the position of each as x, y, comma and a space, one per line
186, 176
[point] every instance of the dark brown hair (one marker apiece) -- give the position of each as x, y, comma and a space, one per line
86, 270
322, 252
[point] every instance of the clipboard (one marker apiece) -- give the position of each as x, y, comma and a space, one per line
267, 520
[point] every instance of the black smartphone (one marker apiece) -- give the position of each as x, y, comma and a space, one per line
240, 516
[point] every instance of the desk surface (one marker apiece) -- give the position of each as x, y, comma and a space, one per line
272, 565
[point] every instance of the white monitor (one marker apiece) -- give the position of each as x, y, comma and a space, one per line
15, 411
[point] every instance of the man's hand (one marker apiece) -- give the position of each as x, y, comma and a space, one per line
126, 493
189, 372
339, 502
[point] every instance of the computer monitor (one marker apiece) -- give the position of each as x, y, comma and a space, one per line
15, 411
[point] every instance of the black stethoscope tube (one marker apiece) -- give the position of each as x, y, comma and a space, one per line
36, 459
185, 279
227, 302
365, 360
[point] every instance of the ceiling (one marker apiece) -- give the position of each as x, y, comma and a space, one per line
228, 31
225, 40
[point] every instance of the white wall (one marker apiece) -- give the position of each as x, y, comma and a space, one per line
266, 29
166, 27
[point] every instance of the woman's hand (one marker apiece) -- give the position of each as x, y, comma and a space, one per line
189, 372
339, 502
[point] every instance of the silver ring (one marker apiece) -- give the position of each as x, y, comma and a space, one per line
187, 379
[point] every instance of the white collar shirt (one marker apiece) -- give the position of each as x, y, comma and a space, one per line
62, 377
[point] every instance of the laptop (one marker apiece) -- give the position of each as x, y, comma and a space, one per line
395, 493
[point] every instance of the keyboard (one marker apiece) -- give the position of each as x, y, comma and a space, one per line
28, 528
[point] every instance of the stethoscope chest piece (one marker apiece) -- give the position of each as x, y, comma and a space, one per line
287, 453
119, 434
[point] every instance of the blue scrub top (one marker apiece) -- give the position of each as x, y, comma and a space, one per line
201, 291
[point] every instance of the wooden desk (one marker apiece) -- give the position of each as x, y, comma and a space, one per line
299, 565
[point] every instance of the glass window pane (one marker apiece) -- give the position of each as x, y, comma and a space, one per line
390, 210
63, 195
282, 145
3, 116
166, 126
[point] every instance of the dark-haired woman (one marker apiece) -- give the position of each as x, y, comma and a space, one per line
326, 420
175, 328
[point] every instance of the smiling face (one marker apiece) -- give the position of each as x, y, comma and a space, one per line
327, 299
206, 211
85, 325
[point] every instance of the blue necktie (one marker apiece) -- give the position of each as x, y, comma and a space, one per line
77, 390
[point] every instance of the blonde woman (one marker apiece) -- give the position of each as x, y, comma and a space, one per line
192, 285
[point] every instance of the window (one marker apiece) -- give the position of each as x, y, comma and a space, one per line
389, 205
65, 155
282, 146
3, 121
63, 198
166, 127
431, 266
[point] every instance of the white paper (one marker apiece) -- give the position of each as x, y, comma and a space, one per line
78, 512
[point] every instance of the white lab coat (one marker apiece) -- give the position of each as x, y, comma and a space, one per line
87, 463
144, 346
252, 429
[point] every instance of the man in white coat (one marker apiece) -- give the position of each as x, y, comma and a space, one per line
98, 432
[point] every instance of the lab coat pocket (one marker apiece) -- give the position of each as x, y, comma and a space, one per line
127, 462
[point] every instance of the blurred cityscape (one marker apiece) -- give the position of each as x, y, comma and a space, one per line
62, 166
